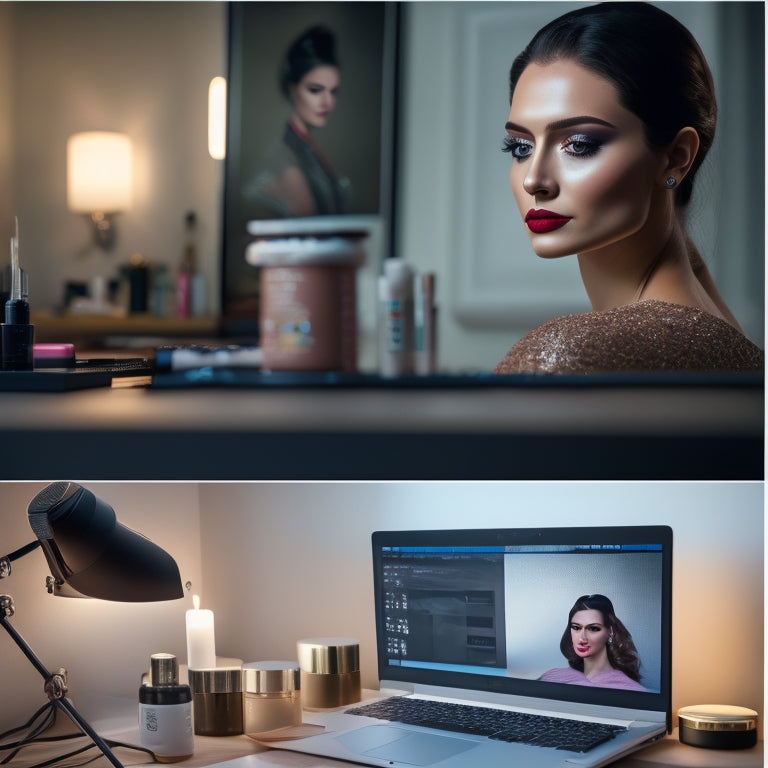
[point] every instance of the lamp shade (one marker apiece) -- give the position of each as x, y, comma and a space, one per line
99, 172
90, 554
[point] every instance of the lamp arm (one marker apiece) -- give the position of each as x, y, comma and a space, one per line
55, 684
6, 560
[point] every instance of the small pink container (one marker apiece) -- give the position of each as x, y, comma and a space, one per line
308, 307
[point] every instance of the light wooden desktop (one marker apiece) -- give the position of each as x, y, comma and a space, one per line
530, 432
242, 752
668, 753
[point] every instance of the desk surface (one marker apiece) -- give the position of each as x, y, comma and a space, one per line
600, 432
242, 752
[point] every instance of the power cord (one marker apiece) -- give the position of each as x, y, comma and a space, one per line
41, 722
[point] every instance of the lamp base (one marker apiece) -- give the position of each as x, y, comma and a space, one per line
104, 230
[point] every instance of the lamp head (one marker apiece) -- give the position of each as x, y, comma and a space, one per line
90, 554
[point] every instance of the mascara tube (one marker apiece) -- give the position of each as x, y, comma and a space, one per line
18, 334
18, 337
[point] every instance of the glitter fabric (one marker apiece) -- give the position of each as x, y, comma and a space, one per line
648, 335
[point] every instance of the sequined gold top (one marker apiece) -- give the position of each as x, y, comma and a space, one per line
647, 335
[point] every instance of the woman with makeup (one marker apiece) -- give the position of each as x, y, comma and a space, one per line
297, 179
612, 112
598, 647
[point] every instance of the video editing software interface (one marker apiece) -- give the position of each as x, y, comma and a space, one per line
503, 609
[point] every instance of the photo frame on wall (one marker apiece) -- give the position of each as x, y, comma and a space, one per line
324, 147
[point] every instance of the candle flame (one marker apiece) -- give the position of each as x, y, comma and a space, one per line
196, 602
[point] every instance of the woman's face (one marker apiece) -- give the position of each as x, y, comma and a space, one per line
314, 96
582, 173
589, 634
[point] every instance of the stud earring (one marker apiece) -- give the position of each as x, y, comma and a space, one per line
670, 182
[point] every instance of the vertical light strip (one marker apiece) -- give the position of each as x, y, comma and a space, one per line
217, 118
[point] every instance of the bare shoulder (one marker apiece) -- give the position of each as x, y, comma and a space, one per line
644, 336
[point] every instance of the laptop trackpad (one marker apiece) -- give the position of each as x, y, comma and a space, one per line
399, 745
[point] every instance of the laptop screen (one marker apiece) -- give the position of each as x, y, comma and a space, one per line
577, 614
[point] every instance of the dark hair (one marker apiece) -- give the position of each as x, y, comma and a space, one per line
315, 47
651, 58
622, 653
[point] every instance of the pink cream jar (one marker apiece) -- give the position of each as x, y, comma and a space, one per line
308, 302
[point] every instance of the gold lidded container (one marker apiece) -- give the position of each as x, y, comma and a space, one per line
271, 696
217, 701
330, 671
716, 726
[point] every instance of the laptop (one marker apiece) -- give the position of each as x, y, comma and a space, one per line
493, 650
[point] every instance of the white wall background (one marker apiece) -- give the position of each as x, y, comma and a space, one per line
144, 68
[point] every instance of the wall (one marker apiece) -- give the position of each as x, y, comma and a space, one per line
6, 124
298, 557
138, 68
104, 646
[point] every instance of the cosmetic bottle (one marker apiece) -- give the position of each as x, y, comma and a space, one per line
165, 712
424, 325
18, 334
396, 319
187, 268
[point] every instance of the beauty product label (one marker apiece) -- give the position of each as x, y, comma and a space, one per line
166, 729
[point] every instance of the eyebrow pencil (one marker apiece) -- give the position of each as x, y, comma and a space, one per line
17, 331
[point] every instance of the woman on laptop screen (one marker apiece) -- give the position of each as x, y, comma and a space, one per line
612, 112
598, 647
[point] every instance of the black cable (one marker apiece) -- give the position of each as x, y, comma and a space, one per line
28, 724
47, 716
73, 753
48, 711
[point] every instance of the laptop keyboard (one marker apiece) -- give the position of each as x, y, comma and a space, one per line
499, 724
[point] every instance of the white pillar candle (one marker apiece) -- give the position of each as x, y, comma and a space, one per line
201, 644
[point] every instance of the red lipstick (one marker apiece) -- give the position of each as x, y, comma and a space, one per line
542, 220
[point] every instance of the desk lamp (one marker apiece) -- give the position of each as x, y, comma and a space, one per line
89, 554
99, 180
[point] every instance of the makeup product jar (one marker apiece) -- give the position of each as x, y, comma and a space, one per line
716, 726
165, 712
330, 672
271, 696
308, 293
217, 701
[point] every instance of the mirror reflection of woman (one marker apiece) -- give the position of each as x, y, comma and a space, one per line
297, 179
612, 112
598, 647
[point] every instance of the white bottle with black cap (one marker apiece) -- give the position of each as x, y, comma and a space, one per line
165, 712
396, 319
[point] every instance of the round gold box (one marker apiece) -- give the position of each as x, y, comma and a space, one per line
330, 672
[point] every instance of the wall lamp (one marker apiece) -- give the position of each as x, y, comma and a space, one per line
89, 554
100, 180
217, 118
